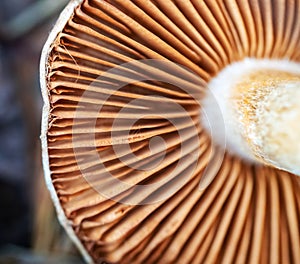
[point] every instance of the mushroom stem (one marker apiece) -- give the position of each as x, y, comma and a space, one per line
261, 110
267, 106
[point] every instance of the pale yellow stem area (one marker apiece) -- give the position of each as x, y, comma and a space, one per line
266, 106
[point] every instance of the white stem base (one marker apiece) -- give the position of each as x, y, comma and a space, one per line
257, 111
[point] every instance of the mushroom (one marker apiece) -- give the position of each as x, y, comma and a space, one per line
170, 130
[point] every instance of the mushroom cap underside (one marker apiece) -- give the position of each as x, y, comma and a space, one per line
124, 150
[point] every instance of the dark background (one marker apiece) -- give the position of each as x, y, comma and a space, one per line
29, 232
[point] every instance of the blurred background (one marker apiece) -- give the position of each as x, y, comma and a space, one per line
29, 231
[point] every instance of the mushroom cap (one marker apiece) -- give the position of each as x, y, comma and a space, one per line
133, 175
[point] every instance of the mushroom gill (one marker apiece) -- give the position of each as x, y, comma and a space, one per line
134, 171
